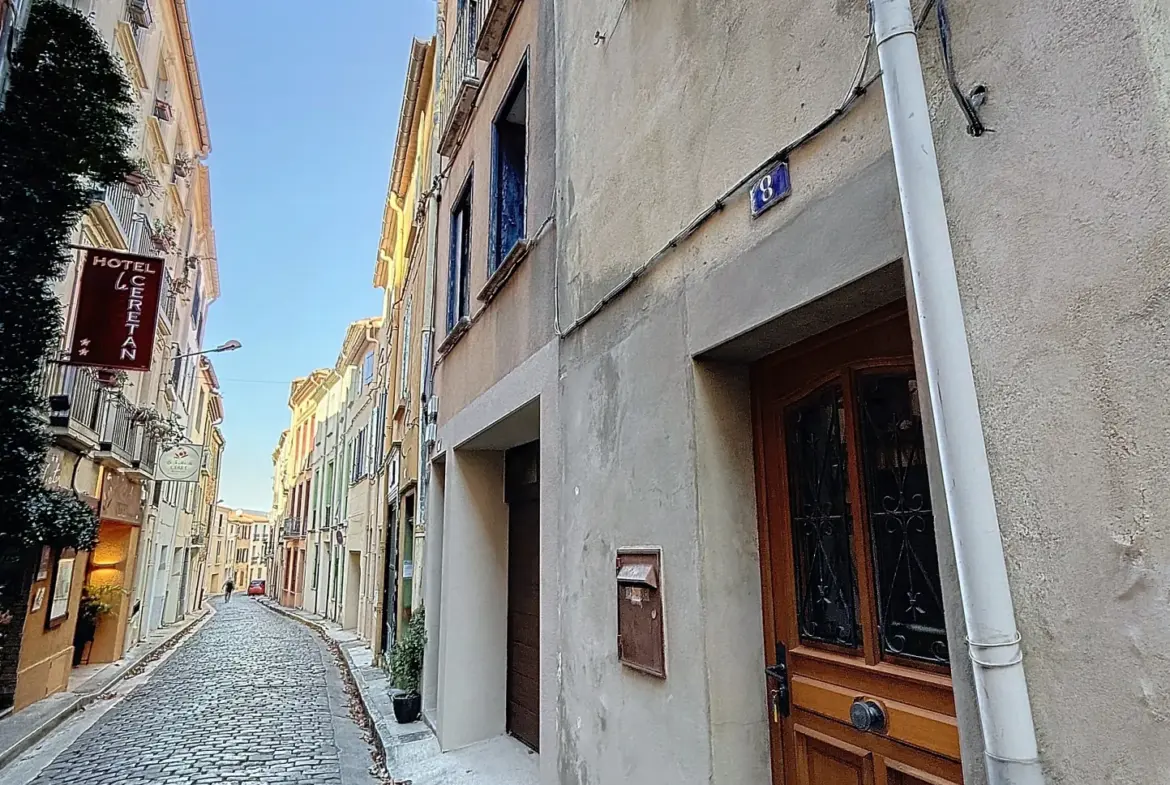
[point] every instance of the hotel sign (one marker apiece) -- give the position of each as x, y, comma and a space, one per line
117, 310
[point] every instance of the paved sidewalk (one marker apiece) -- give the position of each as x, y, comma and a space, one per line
20, 731
412, 751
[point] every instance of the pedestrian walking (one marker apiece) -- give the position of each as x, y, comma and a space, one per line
228, 588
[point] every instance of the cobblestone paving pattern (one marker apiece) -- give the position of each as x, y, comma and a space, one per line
253, 698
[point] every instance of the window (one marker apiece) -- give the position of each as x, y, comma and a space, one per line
359, 455
368, 368
459, 268
404, 372
199, 407
330, 493
509, 170
62, 587
197, 301
176, 367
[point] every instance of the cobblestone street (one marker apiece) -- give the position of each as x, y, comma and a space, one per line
252, 698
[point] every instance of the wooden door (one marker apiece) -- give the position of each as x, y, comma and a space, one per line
522, 486
859, 680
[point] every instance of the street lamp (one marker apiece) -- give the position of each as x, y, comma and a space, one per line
227, 346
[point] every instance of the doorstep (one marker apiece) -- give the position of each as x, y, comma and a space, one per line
412, 751
21, 730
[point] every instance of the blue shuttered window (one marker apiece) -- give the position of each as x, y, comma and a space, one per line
509, 172
459, 267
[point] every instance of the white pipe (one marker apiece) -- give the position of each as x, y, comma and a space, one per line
994, 644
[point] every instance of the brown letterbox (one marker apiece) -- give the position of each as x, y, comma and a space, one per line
641, 632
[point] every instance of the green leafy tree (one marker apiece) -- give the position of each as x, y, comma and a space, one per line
64, 134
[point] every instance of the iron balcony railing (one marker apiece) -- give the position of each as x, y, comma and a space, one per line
170, 301
145, 452
460, 65
122, 201
118, 432
74, 396
294, 527
139, 237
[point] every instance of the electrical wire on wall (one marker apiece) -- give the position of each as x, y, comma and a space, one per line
968, 104
857, 88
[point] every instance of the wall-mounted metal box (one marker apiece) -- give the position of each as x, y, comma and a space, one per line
641, 631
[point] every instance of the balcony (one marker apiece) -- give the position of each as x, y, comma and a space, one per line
293, 527
121, 201
145, 455
118, 434
493, 27
75, 405
169, 308
460, 79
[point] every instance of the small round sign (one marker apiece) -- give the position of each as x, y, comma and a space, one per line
180, 463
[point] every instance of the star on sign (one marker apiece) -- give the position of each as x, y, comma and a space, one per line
83, 352
85, 342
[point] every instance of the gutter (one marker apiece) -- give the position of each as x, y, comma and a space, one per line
406, 119
192, 69
1001, 690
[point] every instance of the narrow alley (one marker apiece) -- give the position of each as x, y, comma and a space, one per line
632, 392
252, 698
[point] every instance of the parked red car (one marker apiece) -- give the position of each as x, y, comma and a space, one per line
256, 587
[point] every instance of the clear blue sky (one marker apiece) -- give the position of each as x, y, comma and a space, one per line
302, 99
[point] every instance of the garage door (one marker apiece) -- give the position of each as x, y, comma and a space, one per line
523, 496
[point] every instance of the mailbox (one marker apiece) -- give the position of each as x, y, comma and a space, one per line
641, 631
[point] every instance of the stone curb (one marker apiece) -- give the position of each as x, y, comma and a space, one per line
86, 696
376, 720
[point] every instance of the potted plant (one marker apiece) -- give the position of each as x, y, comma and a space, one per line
162, 234
406, 661
183, 164
96, 602
140, 179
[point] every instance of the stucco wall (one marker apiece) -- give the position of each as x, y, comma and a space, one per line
519, 320
657, 449
1059, 220
46, 655
1061, 238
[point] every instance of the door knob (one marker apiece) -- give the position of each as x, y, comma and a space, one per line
778, 673
867, 715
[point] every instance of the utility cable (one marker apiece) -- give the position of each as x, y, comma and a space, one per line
975, 126
857, 89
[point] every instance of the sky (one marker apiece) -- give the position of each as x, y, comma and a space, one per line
302, 100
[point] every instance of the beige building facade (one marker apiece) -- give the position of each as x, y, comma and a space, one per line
486, 588
688, 518
108, 431
304, 396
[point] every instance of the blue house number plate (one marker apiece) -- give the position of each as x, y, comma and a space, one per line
772, 188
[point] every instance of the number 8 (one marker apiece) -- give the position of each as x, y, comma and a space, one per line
766, 190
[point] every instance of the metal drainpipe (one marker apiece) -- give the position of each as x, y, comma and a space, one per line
426, 358
994, 643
